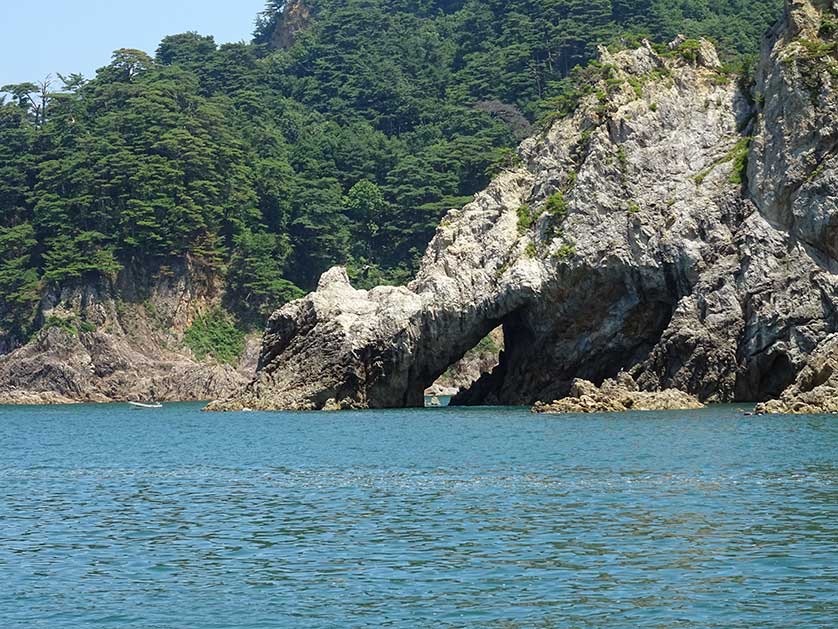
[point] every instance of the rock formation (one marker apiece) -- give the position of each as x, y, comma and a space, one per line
479, 360
816, 389
617, 395
677, 225
97, 348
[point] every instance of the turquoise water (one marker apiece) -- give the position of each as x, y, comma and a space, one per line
447, 518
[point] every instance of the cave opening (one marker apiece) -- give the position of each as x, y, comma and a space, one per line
477, 362
775, 377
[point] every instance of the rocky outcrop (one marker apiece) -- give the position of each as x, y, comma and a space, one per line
639, 234
95, 347
479, 360
793, 170
295, 17
615, 396
816, 389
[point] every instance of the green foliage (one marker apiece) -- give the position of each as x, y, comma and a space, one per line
633, 208
622, 158
61, 323
565, 252
487, 345
255, 281
72, 325
556, 205
19, 282
530, 251
637, 85
816, 49
688, 50
215, 334
828, 25
525, 219
86, 327
815, 57
150, 308
739, 156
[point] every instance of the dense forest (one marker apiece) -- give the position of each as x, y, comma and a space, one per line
340, 134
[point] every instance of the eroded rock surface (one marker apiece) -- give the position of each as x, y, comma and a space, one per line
641, 233
100, 349
816, 389
615, 396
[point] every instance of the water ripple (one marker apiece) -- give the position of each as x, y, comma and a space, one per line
382, 519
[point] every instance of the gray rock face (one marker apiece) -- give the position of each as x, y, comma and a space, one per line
122, 350
793, 170
479, 360
652, 241
816, 389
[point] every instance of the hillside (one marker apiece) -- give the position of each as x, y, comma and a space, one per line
341, 134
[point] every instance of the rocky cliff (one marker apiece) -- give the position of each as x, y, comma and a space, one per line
121, 340
678, 226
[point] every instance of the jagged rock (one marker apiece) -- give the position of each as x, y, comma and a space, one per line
816, 389
437, 390
649, 251
615, 396
479, 360
793, 170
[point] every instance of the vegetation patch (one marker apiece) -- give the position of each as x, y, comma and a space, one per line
61, 323
487, 345
73, 325
215, 334
556, 205
688, 50
637, 85
828, 26
525, 219
738, 155
565, 252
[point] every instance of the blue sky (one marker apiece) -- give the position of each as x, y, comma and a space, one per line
39, 37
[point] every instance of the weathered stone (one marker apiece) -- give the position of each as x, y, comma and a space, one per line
124, 350
478, 361
648, 254
615, 396
816, 389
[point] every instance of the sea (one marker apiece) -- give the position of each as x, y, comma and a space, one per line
445, 517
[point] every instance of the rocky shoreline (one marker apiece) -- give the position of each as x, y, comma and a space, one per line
680, 226
107, 341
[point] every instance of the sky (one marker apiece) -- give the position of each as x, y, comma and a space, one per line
41, 37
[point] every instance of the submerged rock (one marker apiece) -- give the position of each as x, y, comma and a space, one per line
639, 234
816, 389
617, 395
